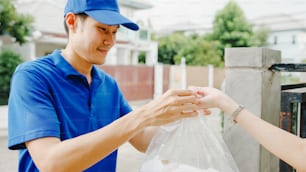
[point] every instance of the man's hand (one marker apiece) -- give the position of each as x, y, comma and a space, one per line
172, 106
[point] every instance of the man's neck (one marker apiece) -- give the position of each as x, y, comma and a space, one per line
78, 63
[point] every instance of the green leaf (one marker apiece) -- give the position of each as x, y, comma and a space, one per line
8, 63
14, 24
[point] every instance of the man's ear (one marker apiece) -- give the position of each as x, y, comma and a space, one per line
70, 20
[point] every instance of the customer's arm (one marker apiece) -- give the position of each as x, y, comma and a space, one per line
283, 144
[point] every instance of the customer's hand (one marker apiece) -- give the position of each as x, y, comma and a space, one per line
214, 98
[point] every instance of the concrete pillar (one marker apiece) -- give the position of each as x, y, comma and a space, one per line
249, 82
135, 54
152, 54
122, 56
184, 73
111, 58
210, 76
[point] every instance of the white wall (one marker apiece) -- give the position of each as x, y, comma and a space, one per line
291, 52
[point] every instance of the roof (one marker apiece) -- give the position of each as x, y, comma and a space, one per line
185, 26
280, 22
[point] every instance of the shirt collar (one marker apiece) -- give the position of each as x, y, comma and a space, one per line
61, 63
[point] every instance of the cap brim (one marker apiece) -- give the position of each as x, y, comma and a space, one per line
112, 18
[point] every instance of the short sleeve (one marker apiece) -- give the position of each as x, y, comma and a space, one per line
31, 112
125, 107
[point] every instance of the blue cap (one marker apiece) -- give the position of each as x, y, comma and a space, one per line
104, 11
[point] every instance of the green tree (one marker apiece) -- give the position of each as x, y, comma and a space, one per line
142, 58
8, 62
169, 46
260, 37
231, 28
14, 24
196, 50
200, 52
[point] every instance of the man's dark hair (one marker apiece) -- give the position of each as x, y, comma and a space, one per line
82, 16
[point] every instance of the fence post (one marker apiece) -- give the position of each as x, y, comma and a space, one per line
210, 75
158, 80
183, 73
249, 81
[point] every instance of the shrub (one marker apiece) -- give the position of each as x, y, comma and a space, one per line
8, 63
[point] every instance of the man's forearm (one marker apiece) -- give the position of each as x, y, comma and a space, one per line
80, 153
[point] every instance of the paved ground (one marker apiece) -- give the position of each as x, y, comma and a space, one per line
129, 159
8, 159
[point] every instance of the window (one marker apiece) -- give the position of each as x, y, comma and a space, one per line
275, 40
143, 35
293, 39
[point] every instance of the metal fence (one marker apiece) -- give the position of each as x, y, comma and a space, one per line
293, 106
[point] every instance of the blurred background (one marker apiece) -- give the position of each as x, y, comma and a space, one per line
179, 43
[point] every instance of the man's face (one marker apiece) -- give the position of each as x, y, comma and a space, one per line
92, 40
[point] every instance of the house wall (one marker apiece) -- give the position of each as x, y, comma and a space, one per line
196, 76
199, 76
292, 44
26, 51
137, 82
43, 49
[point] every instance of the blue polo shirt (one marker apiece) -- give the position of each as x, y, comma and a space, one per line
49, 98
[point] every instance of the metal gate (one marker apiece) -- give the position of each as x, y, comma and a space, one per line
293, 106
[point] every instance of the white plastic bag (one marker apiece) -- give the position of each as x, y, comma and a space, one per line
188, 145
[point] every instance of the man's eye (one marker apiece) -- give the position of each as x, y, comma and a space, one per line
101, 28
